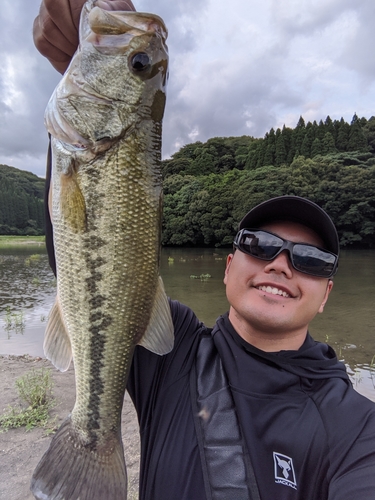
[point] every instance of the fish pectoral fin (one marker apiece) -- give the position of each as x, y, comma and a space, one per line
159, 336
72, 203
57, 346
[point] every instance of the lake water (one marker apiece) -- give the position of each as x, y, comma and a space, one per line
27, 290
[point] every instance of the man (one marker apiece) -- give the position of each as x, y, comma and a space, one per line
253, 408
308, 435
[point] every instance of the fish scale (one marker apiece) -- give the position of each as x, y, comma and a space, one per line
92, 281
106, 207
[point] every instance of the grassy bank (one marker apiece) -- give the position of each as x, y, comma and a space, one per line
15, 241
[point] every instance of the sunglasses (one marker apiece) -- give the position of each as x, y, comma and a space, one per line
307, 259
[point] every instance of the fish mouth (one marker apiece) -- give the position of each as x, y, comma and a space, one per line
273, 290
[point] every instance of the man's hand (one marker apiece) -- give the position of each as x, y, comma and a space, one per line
55, 29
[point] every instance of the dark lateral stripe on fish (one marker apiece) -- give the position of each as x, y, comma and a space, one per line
97, 340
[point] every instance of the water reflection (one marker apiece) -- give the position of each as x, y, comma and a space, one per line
363, 379
348, 322
195, 277
26, 295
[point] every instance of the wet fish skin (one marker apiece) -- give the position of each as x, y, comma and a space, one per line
105, 121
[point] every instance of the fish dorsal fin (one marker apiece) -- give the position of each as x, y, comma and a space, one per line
57, 346
159, 336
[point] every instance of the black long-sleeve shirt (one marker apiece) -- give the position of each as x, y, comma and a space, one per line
309, 434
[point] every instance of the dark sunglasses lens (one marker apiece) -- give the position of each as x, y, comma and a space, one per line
312, 260
260, 244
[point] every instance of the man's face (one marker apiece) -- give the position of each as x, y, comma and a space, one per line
270, 299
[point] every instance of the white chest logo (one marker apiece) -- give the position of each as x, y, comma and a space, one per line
284, 470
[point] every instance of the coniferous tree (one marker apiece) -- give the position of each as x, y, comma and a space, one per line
280, 152
330, 127
270, 150
298, 136
316, 147
356, 140
308, 139
320, 130
342, 137
328, 144
369, 131
287, 136
261, 153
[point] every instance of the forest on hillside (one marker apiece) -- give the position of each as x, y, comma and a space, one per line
21, 202
208, 187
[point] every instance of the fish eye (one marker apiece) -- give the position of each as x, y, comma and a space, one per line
140, 62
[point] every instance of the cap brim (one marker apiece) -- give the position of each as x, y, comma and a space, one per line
295, 209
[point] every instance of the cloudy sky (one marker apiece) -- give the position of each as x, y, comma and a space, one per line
233, 70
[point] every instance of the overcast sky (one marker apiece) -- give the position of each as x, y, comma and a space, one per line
233, 70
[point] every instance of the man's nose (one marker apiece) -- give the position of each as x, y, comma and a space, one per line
281, 264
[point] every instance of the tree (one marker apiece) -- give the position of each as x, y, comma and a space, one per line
305, 148
297, 137
342, 135
270, 149
368, 129
356, 140
316, 147
280, 148
329, 127
328, 144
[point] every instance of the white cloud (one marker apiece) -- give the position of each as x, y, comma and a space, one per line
234, 69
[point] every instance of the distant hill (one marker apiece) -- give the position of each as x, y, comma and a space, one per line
21, 202
208, 187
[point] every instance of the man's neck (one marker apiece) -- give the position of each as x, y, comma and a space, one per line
268, 341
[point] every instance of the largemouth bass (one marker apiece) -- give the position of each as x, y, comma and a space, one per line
105, 121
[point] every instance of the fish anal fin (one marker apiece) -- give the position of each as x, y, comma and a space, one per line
57, 346
73, 470
159, 335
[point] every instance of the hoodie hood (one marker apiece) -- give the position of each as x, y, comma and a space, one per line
313, 360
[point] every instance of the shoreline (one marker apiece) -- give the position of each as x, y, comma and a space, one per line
7, 241
21, 450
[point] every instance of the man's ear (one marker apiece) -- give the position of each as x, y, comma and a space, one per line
327, 292
229, 261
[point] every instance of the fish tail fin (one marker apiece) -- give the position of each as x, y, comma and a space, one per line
70, 470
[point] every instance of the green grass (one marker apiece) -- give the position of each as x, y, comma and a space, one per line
202, 277
35, 391
33, 259
14, 320
15, 241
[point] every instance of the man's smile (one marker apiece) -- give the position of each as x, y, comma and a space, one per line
273, 290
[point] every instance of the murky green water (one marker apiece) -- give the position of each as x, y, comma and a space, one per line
27, 289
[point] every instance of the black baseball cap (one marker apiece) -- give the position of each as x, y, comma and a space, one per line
294, 209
